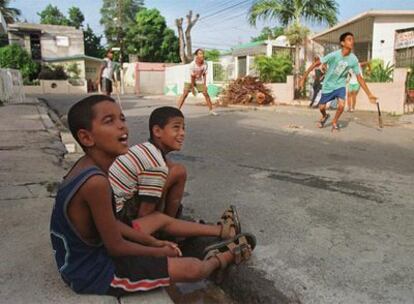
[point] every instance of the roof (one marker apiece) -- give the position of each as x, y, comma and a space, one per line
249, 44
365, 15
75, 57
40, 27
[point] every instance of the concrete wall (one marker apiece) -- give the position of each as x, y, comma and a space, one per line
391, 96
152, 82
11, 86
56, 87
384, 29
283, 92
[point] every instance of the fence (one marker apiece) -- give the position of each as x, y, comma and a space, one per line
223, 72
11, 86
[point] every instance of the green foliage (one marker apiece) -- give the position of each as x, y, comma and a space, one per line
52, 15
151, 39
53, 72
295, 33
275, 68
76, 17
110, 18
92, 43
10, 14
269, 33
15, 57
410, 81
380, 73
212, 55
73, 70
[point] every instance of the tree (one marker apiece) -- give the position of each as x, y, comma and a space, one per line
290, 13
15, 57
275, 68
269, 33
10, 14
212, 55
52, 15
185, 39
92, 43
151, 39
76, 17
117, 16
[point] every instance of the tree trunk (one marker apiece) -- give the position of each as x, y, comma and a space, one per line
297, 65
179, 23
190, 24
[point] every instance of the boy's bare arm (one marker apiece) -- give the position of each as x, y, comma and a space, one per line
364, 86
139, 236
96, 192
315, 64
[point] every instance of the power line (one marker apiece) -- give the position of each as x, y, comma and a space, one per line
224, 9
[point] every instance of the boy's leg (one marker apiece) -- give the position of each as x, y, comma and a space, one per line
322, 109
341, 106
192, 269
354, 99
183, 97
349, 99
158, 221
174, 188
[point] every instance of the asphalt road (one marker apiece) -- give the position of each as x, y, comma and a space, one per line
333, 212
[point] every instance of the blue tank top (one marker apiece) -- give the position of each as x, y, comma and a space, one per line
86, 268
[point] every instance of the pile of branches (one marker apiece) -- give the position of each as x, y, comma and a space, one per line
246, 90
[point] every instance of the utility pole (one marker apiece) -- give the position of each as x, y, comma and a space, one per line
121, 45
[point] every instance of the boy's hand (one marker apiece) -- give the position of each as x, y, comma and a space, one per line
302, 83
193, 91
372, 98
171, 251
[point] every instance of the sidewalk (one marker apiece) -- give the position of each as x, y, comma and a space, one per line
31, 166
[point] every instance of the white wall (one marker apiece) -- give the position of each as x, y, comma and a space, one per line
384, 29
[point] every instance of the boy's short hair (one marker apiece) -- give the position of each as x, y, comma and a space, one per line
161, 116
81, 114
197, 50
344, 35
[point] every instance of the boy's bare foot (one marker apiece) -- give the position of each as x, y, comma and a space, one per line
230, 223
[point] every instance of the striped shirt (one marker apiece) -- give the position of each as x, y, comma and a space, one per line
142, 171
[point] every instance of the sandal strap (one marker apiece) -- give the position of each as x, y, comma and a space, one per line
217, 255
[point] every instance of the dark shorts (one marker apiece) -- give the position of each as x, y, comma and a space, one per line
106, 85
338, 93
138, 273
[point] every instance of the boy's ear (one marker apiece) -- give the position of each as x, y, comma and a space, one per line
156, 131
85, 138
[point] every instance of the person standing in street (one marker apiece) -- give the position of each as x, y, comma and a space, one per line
106, 74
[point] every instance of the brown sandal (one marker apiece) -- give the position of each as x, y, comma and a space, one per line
229, 219
241, 246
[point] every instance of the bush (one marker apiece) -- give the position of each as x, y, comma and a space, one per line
73, 70
15, 57
53, 72
378, 72
275, 68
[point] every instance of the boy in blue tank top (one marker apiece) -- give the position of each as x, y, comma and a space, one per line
334, 86
95, 253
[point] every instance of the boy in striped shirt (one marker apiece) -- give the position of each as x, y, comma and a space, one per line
143, 178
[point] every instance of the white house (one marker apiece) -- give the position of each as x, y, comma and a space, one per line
3, 25
382, 34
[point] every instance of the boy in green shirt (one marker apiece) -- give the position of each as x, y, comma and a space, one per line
334, 86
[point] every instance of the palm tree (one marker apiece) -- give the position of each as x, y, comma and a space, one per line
290, 13
9, 13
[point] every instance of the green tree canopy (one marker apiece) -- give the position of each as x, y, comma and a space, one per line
151, 39
92, 42
76, 17
269, 33
15, 57
212, 55
10, 14
111, 13
52, 15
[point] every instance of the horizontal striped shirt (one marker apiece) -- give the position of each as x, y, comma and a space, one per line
142, 171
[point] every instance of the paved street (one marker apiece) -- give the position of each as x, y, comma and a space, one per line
333, 212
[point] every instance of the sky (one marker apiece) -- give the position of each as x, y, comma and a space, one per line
222, 24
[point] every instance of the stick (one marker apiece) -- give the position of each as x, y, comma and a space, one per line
381, 125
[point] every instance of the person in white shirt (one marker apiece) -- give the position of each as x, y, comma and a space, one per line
106, 74
198, 78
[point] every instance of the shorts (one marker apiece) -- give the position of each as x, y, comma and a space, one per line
353, 87
138, 273
106, 85
200, 87
338, 93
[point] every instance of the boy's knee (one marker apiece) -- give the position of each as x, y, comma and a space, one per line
178, 172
